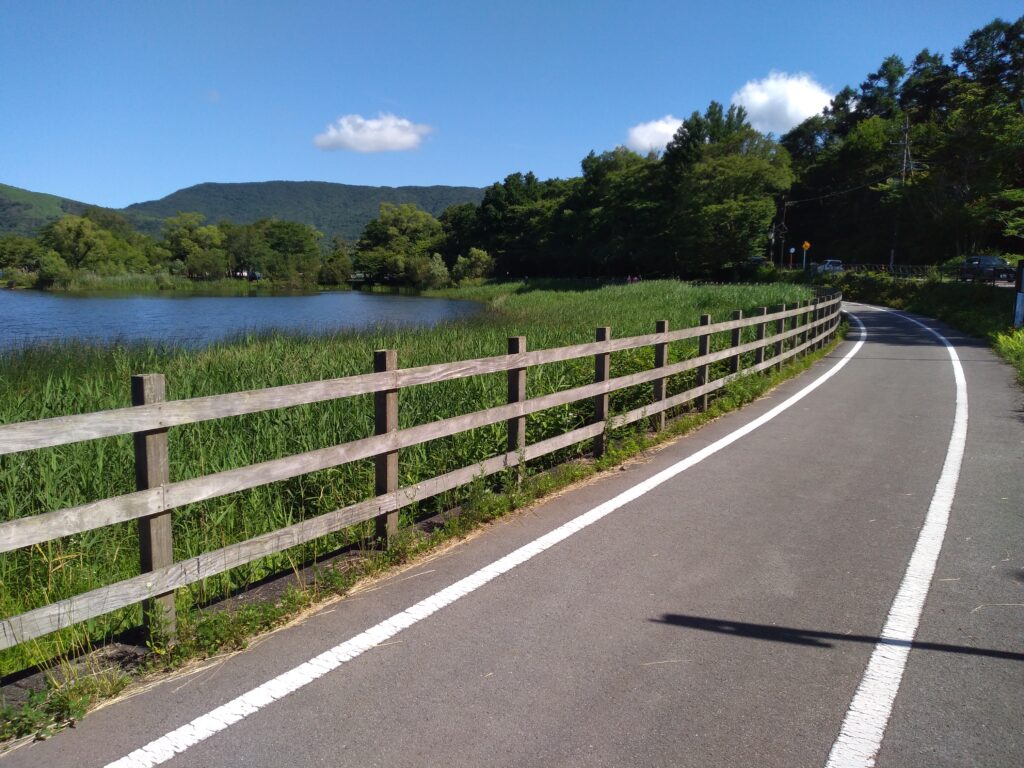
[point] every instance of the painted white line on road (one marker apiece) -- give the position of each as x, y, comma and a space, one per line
164, 748
860, 737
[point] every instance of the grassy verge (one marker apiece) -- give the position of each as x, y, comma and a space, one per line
45, 381
981, 310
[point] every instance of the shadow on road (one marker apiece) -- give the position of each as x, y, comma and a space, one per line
892, 330
816, 638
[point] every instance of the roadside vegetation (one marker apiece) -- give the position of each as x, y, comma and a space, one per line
43, 381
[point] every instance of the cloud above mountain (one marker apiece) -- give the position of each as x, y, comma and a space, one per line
384, 133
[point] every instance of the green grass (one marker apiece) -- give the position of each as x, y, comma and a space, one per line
43, 381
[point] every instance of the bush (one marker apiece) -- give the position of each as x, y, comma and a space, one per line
52, 270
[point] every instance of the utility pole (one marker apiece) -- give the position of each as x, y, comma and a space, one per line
907, 165
781, 229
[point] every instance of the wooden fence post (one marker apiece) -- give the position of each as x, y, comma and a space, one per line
794, 322
152, 469
660, 361
735, 340
704, 348
602, 370
803, 323
780, 328
517, 394
759, 330
385, 419
815, 317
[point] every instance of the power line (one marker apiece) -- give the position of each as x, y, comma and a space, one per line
840, 192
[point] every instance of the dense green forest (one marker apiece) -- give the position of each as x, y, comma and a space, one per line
923, 163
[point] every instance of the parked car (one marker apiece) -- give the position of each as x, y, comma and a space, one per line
986, 268
830, 265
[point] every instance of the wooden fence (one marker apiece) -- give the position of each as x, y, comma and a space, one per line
810, 325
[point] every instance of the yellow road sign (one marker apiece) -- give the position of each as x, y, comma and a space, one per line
807, 246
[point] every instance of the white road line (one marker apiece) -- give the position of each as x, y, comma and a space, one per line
860, 737
164, 748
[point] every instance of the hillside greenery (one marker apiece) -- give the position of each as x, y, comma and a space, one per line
340, 210
334, 209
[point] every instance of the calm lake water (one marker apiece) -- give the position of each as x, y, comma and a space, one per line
33, 316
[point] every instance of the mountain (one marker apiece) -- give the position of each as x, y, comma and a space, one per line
334, 209
23, 212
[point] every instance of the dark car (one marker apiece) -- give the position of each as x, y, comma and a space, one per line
986, 268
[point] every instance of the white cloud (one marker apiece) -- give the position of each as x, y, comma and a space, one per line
781, 101
385, 133
654, 135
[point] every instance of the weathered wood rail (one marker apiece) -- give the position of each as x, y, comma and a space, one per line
810, 325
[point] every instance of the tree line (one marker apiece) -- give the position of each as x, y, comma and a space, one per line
102, 242
921, 164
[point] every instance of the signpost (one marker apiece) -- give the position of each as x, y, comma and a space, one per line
807, 247
792, 250
1018, 312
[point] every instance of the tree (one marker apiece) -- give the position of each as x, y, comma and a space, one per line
295, 250
993, 57
723, 182
197, 245
475, 265
84, 244
397, 244
461, 230
336, 268
17, 252
879, 94
52, 269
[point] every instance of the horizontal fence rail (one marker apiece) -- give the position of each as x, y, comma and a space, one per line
784, 334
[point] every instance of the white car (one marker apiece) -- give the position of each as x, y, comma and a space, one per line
830, 265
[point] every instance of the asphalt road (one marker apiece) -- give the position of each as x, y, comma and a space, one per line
723, 618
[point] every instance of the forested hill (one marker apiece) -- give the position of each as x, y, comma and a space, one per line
24, 213
334, 209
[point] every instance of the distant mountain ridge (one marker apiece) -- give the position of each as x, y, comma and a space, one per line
334, 209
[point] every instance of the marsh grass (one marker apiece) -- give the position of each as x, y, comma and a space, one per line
57, 379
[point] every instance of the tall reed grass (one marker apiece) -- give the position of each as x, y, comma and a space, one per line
57, 379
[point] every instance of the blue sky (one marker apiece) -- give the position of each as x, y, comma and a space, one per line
114, 103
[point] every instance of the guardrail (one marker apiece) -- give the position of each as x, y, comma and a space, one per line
810, 325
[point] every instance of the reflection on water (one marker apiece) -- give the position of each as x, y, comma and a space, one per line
33, 316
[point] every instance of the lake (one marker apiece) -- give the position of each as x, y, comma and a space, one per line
33, 316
